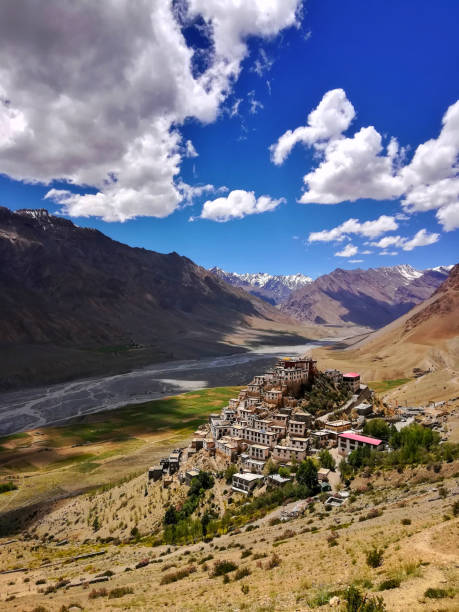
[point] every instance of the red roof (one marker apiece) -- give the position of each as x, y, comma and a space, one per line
351, 375
359, 438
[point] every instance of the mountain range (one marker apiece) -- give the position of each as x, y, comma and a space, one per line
424, 341
368, 298
274, 289
371, 298
71, 298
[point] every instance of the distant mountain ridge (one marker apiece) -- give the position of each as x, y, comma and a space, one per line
371, 298
273, 288
425, 340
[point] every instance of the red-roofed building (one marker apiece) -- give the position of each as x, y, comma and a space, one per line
349, 441
352, 379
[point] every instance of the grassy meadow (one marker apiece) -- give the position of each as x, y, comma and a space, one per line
104, 447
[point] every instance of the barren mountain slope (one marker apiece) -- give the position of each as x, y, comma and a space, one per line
66, 289
427, 338
371, 298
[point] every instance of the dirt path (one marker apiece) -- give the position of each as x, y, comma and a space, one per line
422, 542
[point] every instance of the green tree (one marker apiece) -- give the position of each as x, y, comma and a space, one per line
326, 460
378, 428
229, 473
307, 474
171, 517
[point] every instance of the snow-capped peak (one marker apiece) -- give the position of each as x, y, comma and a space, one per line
442, 269
407, 271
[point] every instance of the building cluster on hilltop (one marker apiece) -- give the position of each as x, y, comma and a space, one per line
269, 421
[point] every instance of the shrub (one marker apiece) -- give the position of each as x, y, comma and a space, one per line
95, 593
7, 486
245, 589
241, 573
356, 602
455, 508
178, 575
375, 557
390, 583
406, 521
245, 553
435, 593
225, 579
273, 562
223, 567
120, 592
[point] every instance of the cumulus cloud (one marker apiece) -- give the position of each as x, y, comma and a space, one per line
237, 205
362, 166
354, 260
370, 229
448, 216
348, 251
421, 238
94, 93
327, 122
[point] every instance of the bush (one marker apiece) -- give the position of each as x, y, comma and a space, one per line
7, 486
406, 521
390, 583
245, 589
273, 562
223, 567
178, 575
434, 593
356, 602
455, 508
245, 553
375, 557
242, 573
95, 593
120, 592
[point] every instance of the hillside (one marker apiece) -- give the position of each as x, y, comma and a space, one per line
75, 302
371, 298
274, 289
425, 339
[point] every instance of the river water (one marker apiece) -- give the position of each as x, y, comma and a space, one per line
41, 406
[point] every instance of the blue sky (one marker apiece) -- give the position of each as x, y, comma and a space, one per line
396, 66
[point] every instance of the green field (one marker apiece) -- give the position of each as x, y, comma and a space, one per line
382, 386
105, 447
102, 436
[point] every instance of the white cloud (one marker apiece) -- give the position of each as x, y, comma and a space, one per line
361, 166
237, 204
262, 64
255, 105
354, 260
367, 252
354, 168
94, 93
370, 229
421, 238
388, 253
327, 122
448, 216
190, 151
348, 251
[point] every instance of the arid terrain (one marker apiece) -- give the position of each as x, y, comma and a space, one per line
422, 345
299, 565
